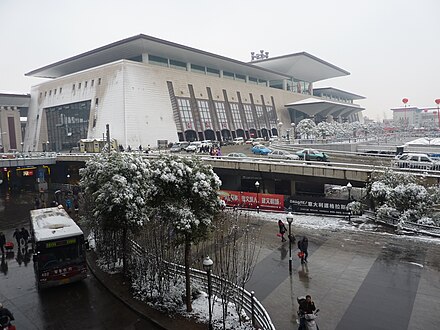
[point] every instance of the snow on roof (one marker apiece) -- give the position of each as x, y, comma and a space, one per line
53, 223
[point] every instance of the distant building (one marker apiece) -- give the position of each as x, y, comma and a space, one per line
154, 91
13, 113
414, 117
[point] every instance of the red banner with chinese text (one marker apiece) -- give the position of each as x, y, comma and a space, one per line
249, 200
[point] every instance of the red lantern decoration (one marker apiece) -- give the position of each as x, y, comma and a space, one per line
405, 100
437, 101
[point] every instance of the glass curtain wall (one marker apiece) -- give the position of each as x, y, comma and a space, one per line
67, 124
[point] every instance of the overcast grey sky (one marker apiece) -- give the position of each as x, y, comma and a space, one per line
390, 47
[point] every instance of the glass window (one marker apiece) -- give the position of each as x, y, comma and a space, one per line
235, 112
228, 75
177, 65
240, 77
221, 114
272, 116
213, 72
248, 114
61, 89
50, 92
260, 115
73, 87
205, 115
85, 84
253, 80
55, 91
45, 93
197, 68
99, 81
79, 85
92, 83
185, 113
157, 60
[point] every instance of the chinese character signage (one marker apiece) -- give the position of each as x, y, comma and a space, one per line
249, 200
318, 205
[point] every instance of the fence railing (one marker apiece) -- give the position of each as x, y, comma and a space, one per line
407, 225
254, 309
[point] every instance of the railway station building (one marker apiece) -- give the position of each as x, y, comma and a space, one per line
150, 90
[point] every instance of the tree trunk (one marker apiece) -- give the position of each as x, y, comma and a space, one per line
187, 274
124, 252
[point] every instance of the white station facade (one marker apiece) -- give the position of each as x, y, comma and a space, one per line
149, 90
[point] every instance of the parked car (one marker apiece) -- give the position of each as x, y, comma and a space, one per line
194, 146
259, 149
250, 141
179, 146
417, 161
238, 140
258, 141
312, 154
281, 154
237, 155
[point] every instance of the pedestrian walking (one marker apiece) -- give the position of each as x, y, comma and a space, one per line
25, 235
17, 236
2, 242
303, 246
283, 229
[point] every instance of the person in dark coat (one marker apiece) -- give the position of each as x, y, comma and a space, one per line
303, 245
306, 306
25, 235
17, 236
5, 312
282, 228
2, 242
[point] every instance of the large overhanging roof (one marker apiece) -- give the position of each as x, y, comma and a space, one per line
337, 93
313, 106
135, 46
302, 66
17, 100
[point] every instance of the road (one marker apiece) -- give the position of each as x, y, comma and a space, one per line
82, 305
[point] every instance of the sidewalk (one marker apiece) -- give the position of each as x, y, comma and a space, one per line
121, 289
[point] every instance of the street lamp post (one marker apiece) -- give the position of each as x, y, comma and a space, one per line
437, 101
349, 187
47, 146
207, 265
22, 145
292, 134
289, 221
257, 186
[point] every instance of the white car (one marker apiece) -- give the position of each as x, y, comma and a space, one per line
417, 161
238, 140
194, 146
281, 154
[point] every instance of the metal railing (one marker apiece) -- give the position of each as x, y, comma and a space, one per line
407, 225
258, 315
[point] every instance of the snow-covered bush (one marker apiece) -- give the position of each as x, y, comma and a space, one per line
355, 207
306, 128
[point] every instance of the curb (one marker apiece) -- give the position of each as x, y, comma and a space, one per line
115, 284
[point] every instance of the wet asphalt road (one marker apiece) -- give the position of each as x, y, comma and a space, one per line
83, 305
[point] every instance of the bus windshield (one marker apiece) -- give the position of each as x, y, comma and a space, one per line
58, 253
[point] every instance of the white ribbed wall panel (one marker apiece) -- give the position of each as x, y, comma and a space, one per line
148, 111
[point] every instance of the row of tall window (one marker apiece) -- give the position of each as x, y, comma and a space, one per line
264, 117
75, 86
